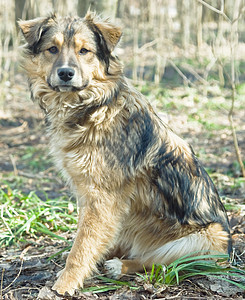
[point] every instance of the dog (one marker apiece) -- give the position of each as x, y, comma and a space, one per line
142, 192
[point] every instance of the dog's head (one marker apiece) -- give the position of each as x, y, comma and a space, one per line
68, 53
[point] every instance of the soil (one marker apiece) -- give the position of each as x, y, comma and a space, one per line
26, 271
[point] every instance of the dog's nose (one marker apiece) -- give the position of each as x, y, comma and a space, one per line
66, 74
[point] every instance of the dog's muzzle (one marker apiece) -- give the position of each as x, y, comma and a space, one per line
66, 79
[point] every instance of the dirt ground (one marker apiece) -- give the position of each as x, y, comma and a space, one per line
26, 271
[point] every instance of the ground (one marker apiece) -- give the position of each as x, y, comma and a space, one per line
198, 114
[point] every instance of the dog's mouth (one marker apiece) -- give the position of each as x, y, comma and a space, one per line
64, 88
68, 88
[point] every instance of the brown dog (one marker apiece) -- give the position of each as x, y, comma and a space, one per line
141, 189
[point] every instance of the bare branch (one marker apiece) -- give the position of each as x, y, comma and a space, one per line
241, 12
180, 73
220, 12
148, 45
195, 74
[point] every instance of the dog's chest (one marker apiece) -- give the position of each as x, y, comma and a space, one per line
77, 162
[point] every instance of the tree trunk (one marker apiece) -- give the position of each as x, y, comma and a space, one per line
19, 6
185, 23
199, 25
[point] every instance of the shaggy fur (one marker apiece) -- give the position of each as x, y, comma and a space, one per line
142, 192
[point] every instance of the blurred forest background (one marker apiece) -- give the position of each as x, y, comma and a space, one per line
193, 38
188, 58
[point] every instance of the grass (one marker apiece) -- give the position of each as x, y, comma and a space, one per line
232, 207
208, 126
109, 284
26, 216
37, 159
188, 266
192, 266
177, 99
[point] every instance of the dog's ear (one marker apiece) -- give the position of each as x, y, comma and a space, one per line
34, 29
110, 32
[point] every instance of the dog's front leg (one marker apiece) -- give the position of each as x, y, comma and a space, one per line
98, 224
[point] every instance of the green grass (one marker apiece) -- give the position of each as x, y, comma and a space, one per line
37, 159
241, 89
108, 284
234, 171
209, 126
188, 266
192, 266
232, 207
26, 216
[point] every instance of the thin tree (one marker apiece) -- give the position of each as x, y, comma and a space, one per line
237, 14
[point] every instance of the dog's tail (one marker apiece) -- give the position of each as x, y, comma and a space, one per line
212, 239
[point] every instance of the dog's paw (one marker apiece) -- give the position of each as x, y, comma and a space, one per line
67, 282
113, 268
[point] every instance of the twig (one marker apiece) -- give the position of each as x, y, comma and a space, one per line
194, 73
242, 10
31, 175
12, 158
24, 288
235, 141
177, 296
241, 254
1, 287
180, 73
232, 258
148, 45
17, 276
58, 265
37, 176
21, 265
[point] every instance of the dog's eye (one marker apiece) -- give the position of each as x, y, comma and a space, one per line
84, 51
53, 50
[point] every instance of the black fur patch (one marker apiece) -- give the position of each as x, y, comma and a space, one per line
127, 146
186, 189
36, 46
38, 32
102, 52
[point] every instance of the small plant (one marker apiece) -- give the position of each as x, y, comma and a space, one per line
191, 266
27, 216
156, 276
